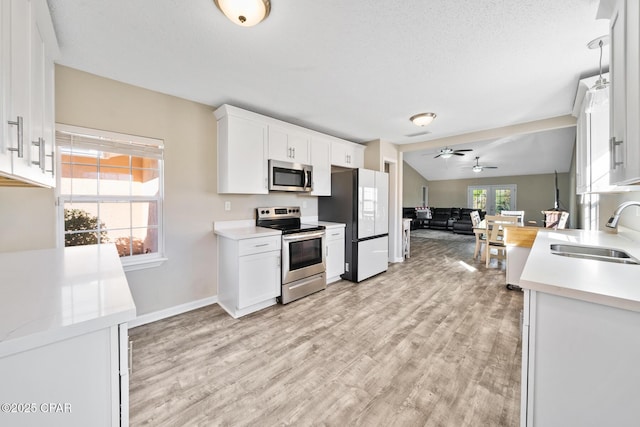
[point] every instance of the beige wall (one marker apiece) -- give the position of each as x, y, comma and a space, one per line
191, 201
27, 219
412, 186
534, 192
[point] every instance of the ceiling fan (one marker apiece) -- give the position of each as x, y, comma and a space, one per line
446, 152
479, 168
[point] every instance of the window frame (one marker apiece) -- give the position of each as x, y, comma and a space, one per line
110, 141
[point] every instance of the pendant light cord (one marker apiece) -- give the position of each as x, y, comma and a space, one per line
600, 44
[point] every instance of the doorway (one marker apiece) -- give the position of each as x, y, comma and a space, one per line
492, 198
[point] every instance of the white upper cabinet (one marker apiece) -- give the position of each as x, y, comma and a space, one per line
28, 48
242, 145
321, 162
592, 142
347, 154
288, 145
247, 141
625, 90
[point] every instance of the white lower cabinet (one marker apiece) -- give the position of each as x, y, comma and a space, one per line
335, 253
580, 363
80, 381
248, 273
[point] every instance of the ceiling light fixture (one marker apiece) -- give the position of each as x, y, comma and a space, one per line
477, 168
423, 119
245, 13
446, 155
598, 94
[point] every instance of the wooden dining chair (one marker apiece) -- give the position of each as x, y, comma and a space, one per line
495, 236
480, 238
517, 214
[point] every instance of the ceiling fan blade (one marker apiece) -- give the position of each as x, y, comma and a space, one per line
464, 149
489, 167
455, 153
438, 156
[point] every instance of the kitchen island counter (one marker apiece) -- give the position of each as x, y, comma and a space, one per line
600, 282
54, 294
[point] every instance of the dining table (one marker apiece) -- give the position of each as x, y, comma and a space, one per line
516, 234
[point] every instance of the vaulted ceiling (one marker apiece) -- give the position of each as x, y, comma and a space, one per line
355, 69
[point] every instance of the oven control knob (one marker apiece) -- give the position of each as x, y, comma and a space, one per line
267, 211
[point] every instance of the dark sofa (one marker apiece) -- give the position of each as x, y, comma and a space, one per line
440, 218
457, 220
463, 224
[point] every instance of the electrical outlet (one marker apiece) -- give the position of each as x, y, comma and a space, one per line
227, 206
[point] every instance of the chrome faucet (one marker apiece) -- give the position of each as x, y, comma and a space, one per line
613, 221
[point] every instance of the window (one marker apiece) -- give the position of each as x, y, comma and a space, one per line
110, 191
492, 198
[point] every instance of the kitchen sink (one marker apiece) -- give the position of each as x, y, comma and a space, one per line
591, 252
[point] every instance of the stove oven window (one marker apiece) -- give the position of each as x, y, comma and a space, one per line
305, 253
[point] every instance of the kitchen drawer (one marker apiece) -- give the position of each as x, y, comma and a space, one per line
335, 233
258, 245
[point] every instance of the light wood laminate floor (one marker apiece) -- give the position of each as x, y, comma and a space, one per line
426, 343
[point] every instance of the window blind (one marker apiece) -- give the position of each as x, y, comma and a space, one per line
92, 139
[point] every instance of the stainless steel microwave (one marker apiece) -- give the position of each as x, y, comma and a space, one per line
285, 176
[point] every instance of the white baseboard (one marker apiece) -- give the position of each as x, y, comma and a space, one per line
172, 311
398, 259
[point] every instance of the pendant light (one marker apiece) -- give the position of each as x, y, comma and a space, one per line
245, 13
598, 94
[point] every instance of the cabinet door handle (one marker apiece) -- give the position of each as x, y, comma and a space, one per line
613, 150
53, 164
278, 262
261, 245
327, 251
41, 156
294, 152
335, 234
19, 124
130, 357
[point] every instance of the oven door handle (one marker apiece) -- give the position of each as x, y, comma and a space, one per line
302, 236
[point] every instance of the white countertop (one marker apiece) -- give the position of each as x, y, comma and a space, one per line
246, 229
601, 282
53, 294
248, 232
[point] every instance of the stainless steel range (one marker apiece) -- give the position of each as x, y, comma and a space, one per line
303, 251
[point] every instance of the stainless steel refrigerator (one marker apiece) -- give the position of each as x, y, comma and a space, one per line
360, 199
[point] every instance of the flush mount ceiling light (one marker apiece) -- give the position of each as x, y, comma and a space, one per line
598, 94
423, 119
245, 13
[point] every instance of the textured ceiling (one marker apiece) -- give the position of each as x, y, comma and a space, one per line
356, 69
529, 154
